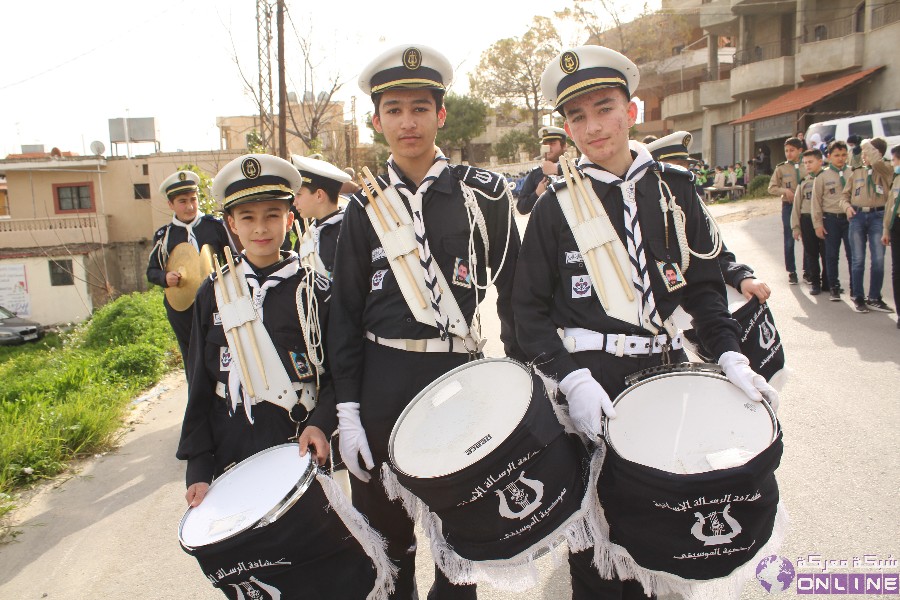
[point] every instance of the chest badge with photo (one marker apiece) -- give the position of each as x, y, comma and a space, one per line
671, 274
462, 274
301, 365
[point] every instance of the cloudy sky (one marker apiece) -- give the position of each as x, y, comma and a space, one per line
69, 66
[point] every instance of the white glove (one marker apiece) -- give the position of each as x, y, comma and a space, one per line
352, 440
737, 370
587, 401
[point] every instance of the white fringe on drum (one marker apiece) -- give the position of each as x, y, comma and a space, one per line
515, 574
373, 544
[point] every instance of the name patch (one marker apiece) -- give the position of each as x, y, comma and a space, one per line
573, 258
378, 254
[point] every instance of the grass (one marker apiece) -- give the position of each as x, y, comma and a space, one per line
65, 397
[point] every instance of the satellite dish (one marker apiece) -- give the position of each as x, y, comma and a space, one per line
98, 148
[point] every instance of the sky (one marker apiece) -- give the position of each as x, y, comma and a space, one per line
69, 67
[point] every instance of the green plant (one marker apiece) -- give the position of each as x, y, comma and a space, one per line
758, 187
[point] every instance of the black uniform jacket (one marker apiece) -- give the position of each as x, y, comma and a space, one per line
209, 230
543, 299
328, 240
212, 436
527, 195
367, 296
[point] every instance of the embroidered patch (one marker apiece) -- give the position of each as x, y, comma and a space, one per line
671, 274
378, 254
217, 319
225, 361
581, 286
573, 258
462, 276
301, 366
378, 279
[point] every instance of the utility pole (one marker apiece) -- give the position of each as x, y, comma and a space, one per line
282, 88
264, 64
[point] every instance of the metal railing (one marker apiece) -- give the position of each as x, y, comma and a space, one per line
885, 15
49, 224
829, 30
769, 51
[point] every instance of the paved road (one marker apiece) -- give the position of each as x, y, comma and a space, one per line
109, 529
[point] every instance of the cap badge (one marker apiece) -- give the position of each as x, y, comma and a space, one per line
182, 176
687, 140
412, 58
568, 62
250, 168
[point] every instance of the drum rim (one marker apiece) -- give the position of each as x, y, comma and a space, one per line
423, 392
290, 498
698, 369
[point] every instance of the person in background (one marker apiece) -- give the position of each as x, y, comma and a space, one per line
784, 183
553, 139
891, 235
829, 220
802, 224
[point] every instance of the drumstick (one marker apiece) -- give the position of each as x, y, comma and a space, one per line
403, 266
239, 290
233, 338
612, 256
601, 290
380, 193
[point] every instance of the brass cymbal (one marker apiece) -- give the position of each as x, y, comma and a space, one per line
207, 260
184, 259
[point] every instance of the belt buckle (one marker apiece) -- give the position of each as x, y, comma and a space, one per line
416, 345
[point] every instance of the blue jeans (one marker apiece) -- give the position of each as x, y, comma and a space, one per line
837, 230
867, 227
789, 262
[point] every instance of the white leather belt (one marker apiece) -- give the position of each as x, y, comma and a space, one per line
576, 339
451, 344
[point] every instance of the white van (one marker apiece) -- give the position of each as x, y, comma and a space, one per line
884, 125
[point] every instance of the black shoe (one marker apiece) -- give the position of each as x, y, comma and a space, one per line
815, 291
835, 295
792, 279
807, 278
859, 305
878, 305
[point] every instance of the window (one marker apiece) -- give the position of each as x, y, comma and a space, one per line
861, 128
142, 191
145, 169
61, 272
891, 125
77, 197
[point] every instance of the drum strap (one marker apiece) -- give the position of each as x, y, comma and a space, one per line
577, 339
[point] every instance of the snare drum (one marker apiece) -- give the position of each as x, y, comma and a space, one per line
266, 530
483, 449
688, 484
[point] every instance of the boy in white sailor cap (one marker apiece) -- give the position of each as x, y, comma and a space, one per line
553, 141
220, 429
317, 201
188, 225
383, 349
627, 302
673, 149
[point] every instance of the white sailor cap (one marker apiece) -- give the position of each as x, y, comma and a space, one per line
585, 69
549, 134
407, 67
320, 174
674, 146
255, 178
180, 182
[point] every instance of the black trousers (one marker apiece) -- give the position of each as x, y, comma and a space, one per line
813, 252
391, 379
610, 371
895, 262
181, 322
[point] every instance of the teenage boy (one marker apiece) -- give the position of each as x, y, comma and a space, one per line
802, 224
829, 219
784, 183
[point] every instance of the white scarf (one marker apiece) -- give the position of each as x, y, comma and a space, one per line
192, 238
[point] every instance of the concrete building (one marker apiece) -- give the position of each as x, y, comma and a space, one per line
79, 228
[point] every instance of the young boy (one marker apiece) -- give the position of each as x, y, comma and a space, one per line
784, 183
189, 225
317, 201
891, 235
829, 220
256, 191
802, 225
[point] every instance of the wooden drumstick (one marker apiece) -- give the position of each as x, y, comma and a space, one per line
403, 266
233, 338
380, 193
239, 290
609, 251
601, 289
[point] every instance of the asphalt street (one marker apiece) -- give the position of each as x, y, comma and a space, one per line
108, 529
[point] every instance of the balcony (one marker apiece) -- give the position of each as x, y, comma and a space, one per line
684, 103
54, 231
716, 17
830, 55
715, 93
763, 69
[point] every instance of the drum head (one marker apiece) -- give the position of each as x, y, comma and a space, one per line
475, 406
686, 422
244, 494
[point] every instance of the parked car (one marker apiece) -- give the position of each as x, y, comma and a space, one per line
884, 125
15, 330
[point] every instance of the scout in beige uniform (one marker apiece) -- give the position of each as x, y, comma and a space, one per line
784, 183
863, 200
828, 218
891, 235
802, 225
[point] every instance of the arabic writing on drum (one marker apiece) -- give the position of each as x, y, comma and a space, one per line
702, 501
243, 567
481, 490
536, 517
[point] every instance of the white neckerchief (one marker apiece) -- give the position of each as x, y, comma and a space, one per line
442, 322
192, 238
319, 225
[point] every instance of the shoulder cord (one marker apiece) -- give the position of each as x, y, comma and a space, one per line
308, 312
163, 246
666, 197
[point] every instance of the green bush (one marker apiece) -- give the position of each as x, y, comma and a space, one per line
131, 318
139, 362
758, 187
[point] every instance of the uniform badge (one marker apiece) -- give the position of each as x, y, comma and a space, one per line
250, 168
462, 275
581, 286
217, 319
568, 62
378, 254
301, 365
574, 258
671, 274
225, 360
686, 142
412, 58
182, 176
378, 279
